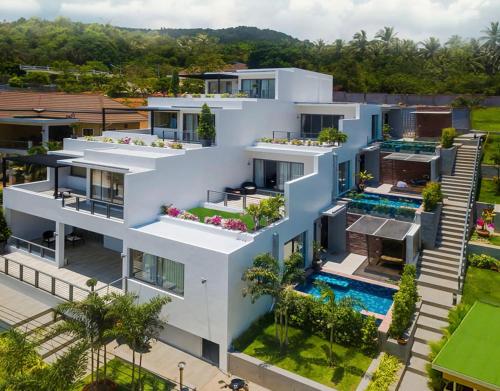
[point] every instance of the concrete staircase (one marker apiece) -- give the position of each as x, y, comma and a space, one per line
438, 268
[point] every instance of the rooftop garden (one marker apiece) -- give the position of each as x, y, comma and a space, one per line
135, 141
328, 137
256, 216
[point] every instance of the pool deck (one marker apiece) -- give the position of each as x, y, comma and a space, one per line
346, 263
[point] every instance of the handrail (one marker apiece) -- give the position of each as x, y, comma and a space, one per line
226, 196
93, 202
472, 193
43, 249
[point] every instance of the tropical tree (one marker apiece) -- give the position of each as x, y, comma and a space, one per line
364, 176
89, 319
137, 325
491, 39
327, 295
387, 34
267, 277
256, 212
430, 47
206, 127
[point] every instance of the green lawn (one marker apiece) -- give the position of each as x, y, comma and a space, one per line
481, 284
204, 212
307, 355
491, 146
487, 192
494, 240
486, 119
121, 373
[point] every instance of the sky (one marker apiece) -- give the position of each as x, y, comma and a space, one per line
304, 19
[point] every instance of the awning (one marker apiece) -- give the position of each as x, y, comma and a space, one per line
380, 227
410, 157
38, 121
51, 160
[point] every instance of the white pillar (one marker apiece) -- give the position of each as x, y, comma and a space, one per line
59, 246
45, 133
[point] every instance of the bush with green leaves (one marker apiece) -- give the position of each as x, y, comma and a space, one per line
369, 338
5, 231
385, 375
483, 261
206, 128
332, 135
431, 196
404, 302
447, 137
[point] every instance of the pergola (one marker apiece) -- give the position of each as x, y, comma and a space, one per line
52, 161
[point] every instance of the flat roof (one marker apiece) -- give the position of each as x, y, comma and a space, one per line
51, 160
380, 227
38, 121
472, 352
194, 236
431, 112
410, 157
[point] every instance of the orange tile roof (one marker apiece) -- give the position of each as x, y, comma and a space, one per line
85, 107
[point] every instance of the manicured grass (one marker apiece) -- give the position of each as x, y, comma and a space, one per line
121, 373
487, 192
494, 239
491, 146
481, 284
204, 212
486, 119
307, 355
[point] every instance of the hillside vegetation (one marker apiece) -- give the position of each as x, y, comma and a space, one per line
383, 63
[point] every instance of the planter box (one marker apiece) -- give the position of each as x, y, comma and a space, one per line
483, 248
429, 222
269, 376
447, 160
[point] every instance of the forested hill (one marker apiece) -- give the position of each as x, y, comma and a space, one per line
141, 58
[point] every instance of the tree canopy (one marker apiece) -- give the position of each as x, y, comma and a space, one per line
141, 57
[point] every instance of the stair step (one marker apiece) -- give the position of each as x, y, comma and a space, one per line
457, 238
432, 272
449, 244
439, 261
445, 232
454, 208
432, 267
437, 283
433, 311
412, 381
432, 324
417, 365
441, 254
420, 350
424, 335
451, 227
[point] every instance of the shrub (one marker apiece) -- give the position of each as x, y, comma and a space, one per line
107, 140
404, 302
297, 142
234, 225
385, 375
170, 210
138, 141
213, 220
188, 216
484, 261
158, 144
369, 338
331, 135
447, 137
124, 140
5, 231
206, 128
406, 212
175, 145
431, 196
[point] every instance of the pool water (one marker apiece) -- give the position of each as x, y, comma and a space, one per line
374, 298
426, 147
391, 201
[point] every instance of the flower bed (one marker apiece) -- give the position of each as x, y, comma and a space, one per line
135, 141
297, 142
229, 223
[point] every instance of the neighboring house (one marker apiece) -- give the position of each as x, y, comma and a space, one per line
29, 118
117, 190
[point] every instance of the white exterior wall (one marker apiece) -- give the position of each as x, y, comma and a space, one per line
298, 85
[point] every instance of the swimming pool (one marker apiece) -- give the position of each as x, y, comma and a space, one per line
416, 147
388, 200
374, 298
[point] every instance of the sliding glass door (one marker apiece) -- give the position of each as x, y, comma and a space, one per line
312, 124
258, 88
344, 176
273, 174
107, 186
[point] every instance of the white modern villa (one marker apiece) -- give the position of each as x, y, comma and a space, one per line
109, 191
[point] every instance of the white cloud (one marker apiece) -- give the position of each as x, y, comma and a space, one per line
311, 19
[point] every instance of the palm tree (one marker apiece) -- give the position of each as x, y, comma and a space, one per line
138, 325
492, 38
430, 47
267, 277
89, 320
327, 295
387, 34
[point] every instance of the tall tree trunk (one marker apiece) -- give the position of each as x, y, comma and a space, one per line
105, 360
281, 331
133, 369
286, 328
331, 345
139, 380
92, 365
98, 362
276, 324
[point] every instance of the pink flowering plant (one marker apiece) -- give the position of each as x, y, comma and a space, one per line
213, 220
124, 140
170, 210
480, 223
188, 216
234, 225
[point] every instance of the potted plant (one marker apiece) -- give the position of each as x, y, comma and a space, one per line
317, 250
363, 177
329, 136
484, 224
206, 128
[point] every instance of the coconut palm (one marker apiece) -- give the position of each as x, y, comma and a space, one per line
430, 47
267, 277
327, 295
387, 34
137, 325
491, 39
91, 321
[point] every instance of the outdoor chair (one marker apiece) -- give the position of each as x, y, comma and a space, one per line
248, 188
49, 237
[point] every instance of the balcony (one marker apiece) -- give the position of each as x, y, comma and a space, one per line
81, 203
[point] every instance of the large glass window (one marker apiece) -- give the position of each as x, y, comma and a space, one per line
107, 186
161, 272
272, 174
80, 172
166, 119
258, 88
296, 244
312, 124
344, 177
